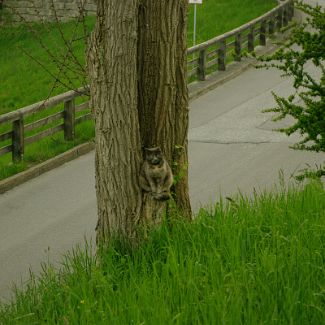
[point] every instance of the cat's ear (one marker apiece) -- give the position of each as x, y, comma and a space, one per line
151, 149
158, 150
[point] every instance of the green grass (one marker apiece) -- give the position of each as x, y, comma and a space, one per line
25, 82
215, 17
258, 261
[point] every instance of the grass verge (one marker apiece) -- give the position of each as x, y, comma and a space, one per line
217, 17
255, 261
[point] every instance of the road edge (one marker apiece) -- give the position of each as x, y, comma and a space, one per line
39, 169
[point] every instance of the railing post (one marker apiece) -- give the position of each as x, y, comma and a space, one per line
222, 56
285, 16
201, 67
69, 119
238, 47
18, 140
280, 19
271, 25
291, 10
251, 38
263, 33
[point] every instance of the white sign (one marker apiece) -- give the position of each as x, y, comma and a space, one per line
199, 2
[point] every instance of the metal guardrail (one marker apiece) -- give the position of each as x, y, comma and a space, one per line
203, 59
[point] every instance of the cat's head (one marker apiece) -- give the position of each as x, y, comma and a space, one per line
153, 156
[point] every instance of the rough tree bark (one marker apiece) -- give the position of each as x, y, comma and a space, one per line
163, 95
137, 70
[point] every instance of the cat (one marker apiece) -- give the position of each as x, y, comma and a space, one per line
156, 175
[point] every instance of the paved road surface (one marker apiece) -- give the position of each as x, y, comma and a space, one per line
232, 146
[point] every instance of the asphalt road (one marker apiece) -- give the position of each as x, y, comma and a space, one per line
232, 144
231, 147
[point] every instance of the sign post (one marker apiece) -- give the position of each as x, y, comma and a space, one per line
195, 2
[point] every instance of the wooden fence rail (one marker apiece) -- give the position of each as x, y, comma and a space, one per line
19, 128
203, 59
214, 54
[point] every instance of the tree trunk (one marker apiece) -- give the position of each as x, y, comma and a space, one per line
137, 70
163, 95
112, 64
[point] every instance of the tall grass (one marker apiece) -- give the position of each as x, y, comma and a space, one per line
258, 261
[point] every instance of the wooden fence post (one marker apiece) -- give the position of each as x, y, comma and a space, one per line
285, 16
291, 10
201, 68
69, 120
263, 33
280, 19
251, 38
271, 25
18, 140
238, 47
222, 56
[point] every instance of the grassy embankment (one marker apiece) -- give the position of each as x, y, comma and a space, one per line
247, 262
24, 82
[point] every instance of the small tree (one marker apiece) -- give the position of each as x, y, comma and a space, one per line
306, 45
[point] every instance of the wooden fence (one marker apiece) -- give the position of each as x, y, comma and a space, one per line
214, 54
67, 114
202, 59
